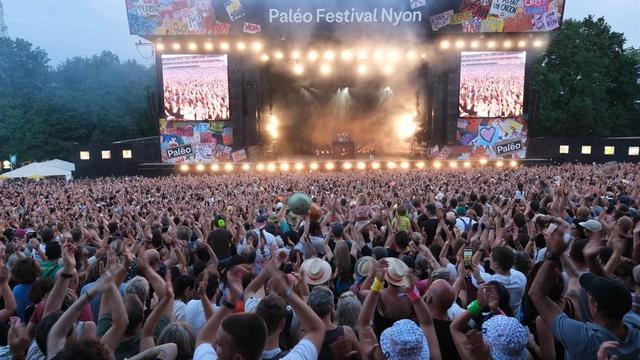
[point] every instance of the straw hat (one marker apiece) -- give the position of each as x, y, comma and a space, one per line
396, 271
316, 271
364, 265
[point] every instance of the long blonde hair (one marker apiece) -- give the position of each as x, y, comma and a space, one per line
342, 260
362, 200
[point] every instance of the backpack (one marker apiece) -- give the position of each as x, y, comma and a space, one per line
467, 225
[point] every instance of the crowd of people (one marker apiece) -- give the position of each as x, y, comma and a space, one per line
492, 90
537, 262
196, 94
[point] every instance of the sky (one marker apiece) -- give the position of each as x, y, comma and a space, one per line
67, 28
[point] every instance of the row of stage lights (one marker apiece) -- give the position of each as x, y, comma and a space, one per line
346, 55
331, 166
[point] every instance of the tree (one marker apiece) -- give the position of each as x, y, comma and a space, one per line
587, 83
45, 112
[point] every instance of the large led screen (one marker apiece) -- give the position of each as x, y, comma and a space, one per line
492, 84
196, 87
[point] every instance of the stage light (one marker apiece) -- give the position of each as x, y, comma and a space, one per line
437, 164
200, 168
406, 126
466, 164
537, 43
224, 46
295, 55
256, 46
388, 69
271, 167
298, 69
483, 161
391, 165
404, 165
361, 166
508, 44
424, 56
215, 167
499, 164
299, 166
329, 166
176, 46
314, 166
522, 43
193, 46
411, 55
312, 55
362, 69
375, 166
491, 44
329, 55
160, 47
284, 167
444, 44
459, 44
246, 167
228, 167
475, 44
346, 55
184, 167
279, 55
420, 165
260, 167
325, 69
347, 166
208, 46
394, 55
264, 58
378, 55
362, 54
513, 163
272, 126
453, 164
241, 46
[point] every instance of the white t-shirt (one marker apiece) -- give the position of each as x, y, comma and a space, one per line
515, 284
463, 222
304, 350
178, 310
194, 315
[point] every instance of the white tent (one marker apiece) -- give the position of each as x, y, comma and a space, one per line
65, 165
42, 169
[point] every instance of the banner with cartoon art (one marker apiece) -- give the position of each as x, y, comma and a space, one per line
290, 18
490, 138
198, 142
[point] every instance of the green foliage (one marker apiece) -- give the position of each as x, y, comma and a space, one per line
44, 112
588, 84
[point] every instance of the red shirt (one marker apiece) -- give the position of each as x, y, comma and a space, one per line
85, 315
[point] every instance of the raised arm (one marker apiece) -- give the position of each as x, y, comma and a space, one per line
7, 294
424, 319
117, 309
369, 346
155, 280
164, 307
209, 332
56, 296
58, 333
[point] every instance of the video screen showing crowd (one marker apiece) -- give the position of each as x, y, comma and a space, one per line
196, 87
492, 84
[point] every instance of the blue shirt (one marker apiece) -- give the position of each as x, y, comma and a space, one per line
582, 340
21, 293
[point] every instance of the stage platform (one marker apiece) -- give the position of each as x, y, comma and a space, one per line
312, 164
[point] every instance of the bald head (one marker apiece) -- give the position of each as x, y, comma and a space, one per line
441, 295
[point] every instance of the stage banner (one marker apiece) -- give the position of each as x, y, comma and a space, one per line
204, 142
305, 18
490, 138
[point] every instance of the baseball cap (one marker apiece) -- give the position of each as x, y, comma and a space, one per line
610, 295
591, 225
404, 341
506, 338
